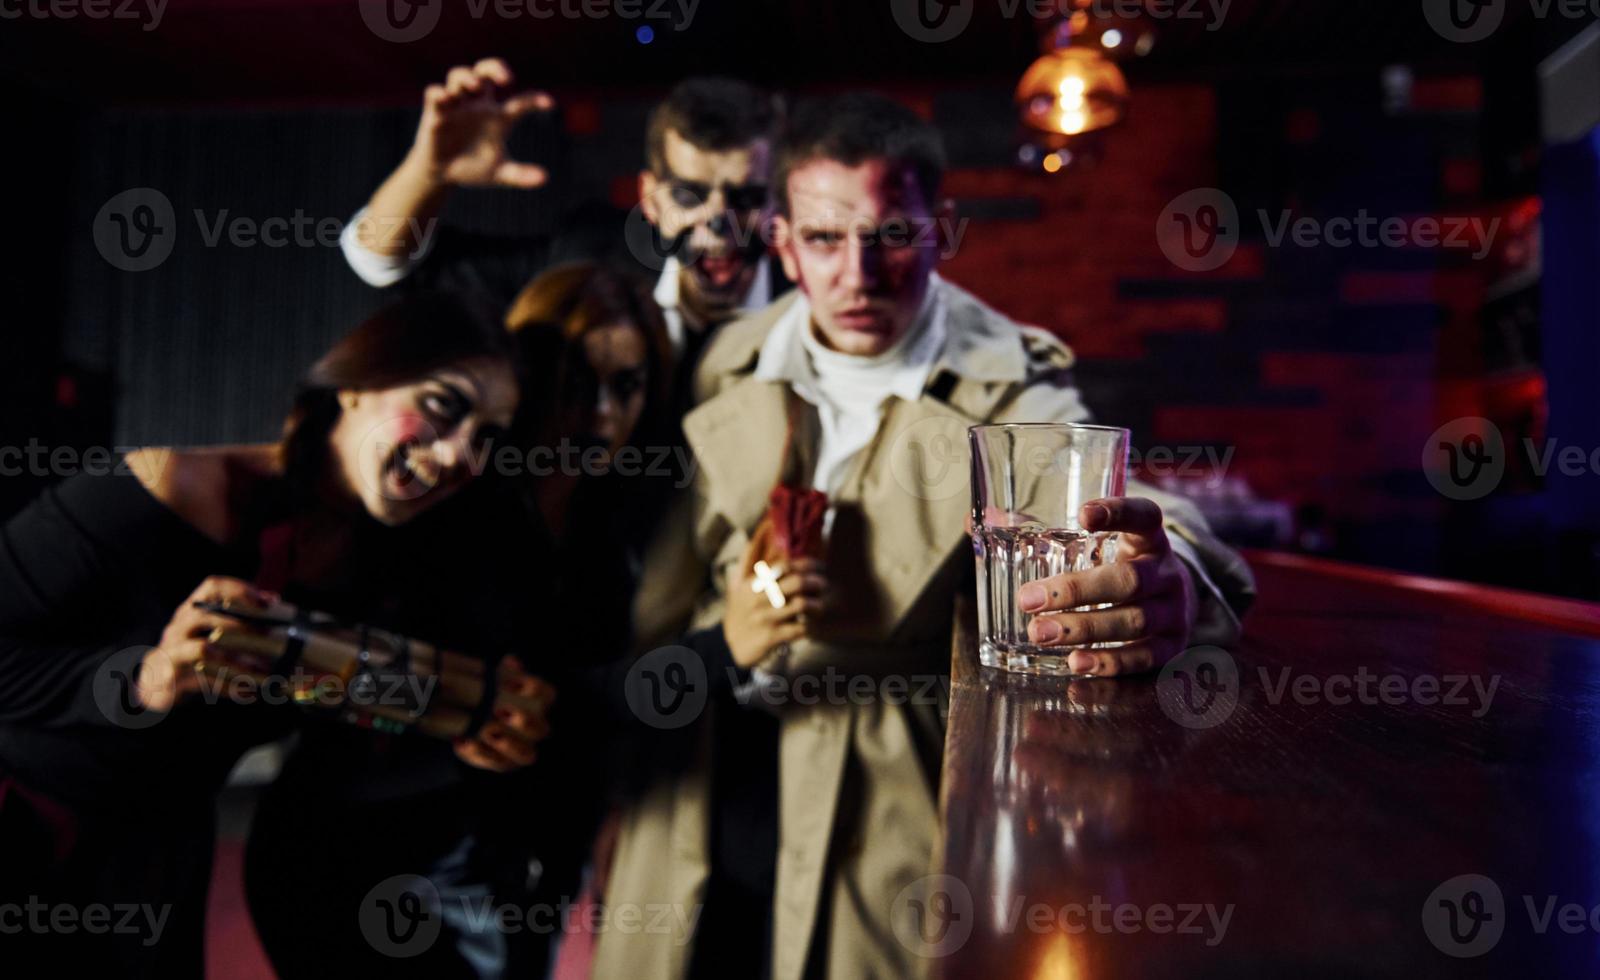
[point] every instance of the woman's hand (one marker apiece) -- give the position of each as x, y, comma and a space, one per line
1151, 596
171, 671
507, 741
750, 623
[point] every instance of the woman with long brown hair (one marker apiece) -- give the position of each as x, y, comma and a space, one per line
563, 516
598, 359
109, 754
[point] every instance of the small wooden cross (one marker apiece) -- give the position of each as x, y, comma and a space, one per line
767, 581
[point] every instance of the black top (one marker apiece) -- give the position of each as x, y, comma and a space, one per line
461, 576
92, 571
90, 574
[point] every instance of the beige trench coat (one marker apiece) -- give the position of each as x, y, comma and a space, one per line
858, 781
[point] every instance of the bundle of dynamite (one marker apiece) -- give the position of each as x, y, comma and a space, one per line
798, 516
373, 677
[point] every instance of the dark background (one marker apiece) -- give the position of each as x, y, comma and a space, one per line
1324, 370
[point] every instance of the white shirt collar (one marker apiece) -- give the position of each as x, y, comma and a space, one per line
667, 296
903, 370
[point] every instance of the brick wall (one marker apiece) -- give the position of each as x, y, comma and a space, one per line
1323, 369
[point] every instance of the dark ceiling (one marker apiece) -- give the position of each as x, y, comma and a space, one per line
324, 52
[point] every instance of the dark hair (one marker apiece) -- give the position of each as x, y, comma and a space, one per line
712, 113
854, 128
400, 343
549, 318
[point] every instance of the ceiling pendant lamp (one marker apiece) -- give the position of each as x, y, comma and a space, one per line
1072, 91
1075, 92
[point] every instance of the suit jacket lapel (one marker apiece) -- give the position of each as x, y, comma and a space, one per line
910, 488
913, 482
738, 440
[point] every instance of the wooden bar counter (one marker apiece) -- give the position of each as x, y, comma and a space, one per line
1304, 806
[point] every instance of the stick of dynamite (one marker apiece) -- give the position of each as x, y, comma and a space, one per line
364, 665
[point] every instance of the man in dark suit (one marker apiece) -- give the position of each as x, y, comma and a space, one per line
703, 202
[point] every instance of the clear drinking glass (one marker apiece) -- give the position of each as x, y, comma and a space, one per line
1029, 481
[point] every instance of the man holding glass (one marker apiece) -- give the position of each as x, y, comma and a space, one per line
803, 819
